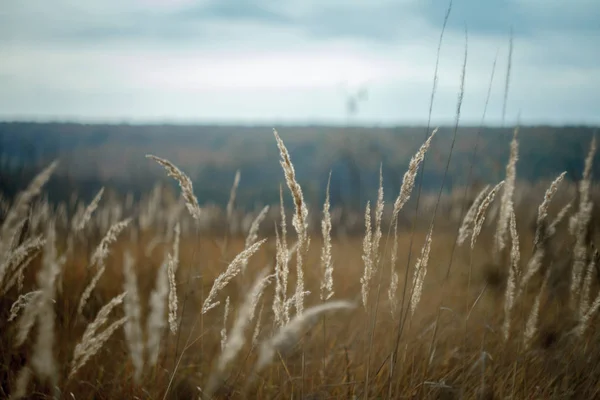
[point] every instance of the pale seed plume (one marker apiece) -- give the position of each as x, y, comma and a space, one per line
281, 268
87, 215
559, 218
300, 211
92, 341
111, 236
543, 208
85, 296
420, 272
94, 345
231, 272
176, 240
287, 336
506, 203
531, 326
23, 302
584, 321
513, 276
232, 195
466, 228
257, 326
252, 236
224, 328
157, 321
17, 260
584, 302
366, 257
480, 217
171, 267
185, 183
378, 218
43, 360
278, 298
299, 221
326, 260
393, 288
21, 206
408, 182
533, 266
133, 326
237, 338
578, 226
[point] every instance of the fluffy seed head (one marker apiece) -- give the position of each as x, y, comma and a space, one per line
408, 182
506, 204
185, 183
480, 217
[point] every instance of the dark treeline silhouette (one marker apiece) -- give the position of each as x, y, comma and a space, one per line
92, 156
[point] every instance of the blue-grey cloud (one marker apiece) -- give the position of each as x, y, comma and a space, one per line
377, 21
232, 10
69, 57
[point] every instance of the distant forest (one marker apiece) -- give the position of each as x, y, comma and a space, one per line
92, 156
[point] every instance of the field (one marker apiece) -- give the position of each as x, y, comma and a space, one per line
161, 297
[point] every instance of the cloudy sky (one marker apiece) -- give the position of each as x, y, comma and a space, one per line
295, 61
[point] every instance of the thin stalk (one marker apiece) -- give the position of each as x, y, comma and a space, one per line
420, 185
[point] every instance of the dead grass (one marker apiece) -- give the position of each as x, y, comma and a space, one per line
469, 359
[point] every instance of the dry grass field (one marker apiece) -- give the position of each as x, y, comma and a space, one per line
133, 300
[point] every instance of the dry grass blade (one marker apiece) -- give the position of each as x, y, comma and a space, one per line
300, 211
43, 360
584, 302
506, 203
171, 267
559, 218
282, 258
23, 302
157, 321
94, 345
133, 312
237, 337
87, 292
21, 206
531, 326
378, 217
480, 217
299, 221
87, 215
466, 228
91, 341
232, 270
252, 236
408, 182
287, 336
578, 226
513, 276
394, 278
185, 183
111, 236
326, 261
224, 329
543, 208
367, 260
17, 260
420, 272
232, 195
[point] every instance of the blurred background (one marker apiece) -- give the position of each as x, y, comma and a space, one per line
347, 84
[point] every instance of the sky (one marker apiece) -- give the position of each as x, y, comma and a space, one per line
297, 61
